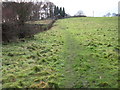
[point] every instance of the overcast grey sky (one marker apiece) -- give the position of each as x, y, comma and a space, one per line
100, 7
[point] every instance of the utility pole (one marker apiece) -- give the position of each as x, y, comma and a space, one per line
93, 13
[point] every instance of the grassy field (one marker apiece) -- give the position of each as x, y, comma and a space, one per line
40, 22
75, 53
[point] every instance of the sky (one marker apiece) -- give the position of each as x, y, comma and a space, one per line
100, 7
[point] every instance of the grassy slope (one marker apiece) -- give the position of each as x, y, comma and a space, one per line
76, 52
93, 51
40, 22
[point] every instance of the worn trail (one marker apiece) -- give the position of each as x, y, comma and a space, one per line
71, 48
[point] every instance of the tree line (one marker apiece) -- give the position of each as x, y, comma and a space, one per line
59, 11
23, 11
16, 14
111, 14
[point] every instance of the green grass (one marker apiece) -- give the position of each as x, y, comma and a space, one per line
75, 53
40, 22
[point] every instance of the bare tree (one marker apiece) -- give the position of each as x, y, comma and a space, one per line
108, 14
36, 10
45, 9
79, 13
23, 10
8, 12
51, 9
113, 14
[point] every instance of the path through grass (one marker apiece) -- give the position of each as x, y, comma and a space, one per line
75, 53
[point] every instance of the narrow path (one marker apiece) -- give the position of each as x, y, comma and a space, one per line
89, 60
71, 48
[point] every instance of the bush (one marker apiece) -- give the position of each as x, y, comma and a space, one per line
9, 32
13, 31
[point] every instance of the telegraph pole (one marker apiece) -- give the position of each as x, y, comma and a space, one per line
93, 13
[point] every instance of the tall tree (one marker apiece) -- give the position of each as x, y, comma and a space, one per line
36, 10
51, 10
23, 10
57, 10
8, 12
45, 9
60, 11
64, 12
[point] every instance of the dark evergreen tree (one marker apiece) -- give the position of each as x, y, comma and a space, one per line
63, 12
57, 10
